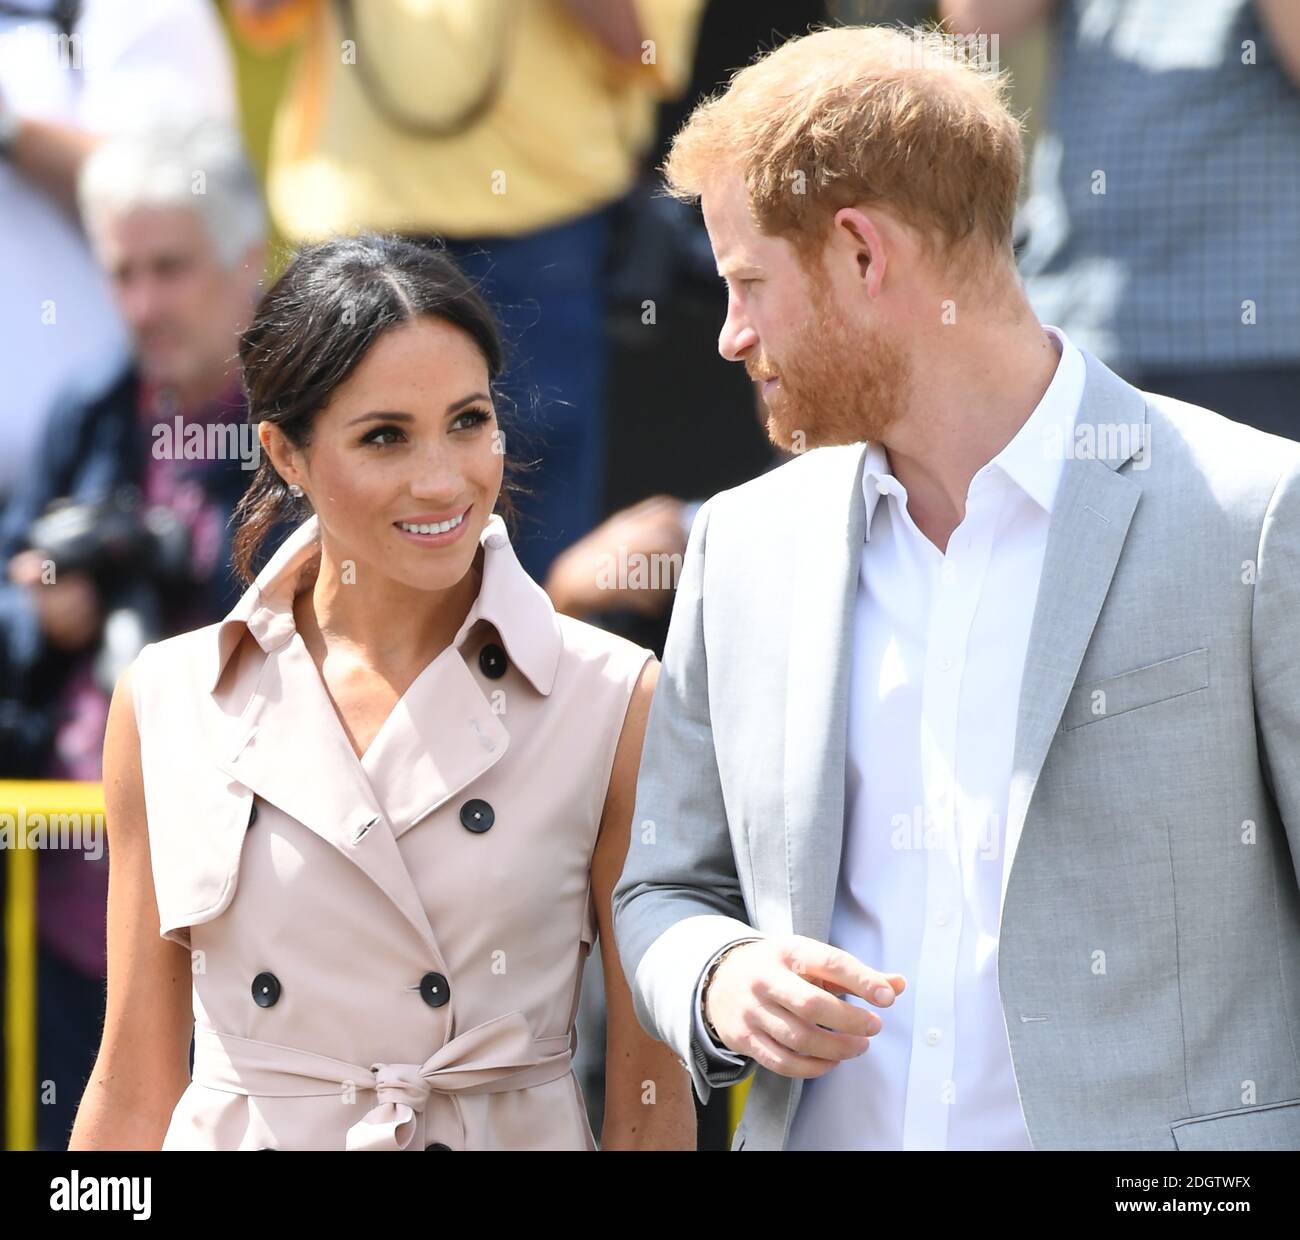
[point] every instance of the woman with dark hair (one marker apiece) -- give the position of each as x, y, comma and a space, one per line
369, 824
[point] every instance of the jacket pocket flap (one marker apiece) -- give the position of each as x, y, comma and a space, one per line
195, 845
1270, 1126
1143, 686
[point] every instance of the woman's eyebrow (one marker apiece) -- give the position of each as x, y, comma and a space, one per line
393, 415
390, 415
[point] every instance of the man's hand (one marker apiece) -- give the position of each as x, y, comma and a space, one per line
767, 999
647, 537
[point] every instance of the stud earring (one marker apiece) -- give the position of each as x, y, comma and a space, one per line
295, 490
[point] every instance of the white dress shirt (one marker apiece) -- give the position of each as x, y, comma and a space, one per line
939, 647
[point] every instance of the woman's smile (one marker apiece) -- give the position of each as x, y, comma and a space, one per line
434, 530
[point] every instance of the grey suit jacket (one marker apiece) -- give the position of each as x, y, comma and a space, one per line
1149, 959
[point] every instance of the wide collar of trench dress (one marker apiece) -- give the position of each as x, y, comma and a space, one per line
289, 747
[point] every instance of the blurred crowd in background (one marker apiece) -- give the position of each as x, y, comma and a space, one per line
160, 158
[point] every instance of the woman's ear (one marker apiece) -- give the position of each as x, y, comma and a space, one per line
282, 454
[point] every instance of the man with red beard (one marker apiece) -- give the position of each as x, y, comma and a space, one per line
977, 739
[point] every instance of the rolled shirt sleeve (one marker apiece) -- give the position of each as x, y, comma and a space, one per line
712, 1058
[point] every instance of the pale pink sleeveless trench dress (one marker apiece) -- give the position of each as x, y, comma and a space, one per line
387, 952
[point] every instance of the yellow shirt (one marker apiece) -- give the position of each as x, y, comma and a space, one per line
561, 134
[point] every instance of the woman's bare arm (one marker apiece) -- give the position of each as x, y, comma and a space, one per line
143, 1062
648, 1102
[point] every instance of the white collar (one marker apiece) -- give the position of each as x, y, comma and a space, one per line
508, 598
1035, 456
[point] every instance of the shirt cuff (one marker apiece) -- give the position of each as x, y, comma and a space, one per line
708, 1052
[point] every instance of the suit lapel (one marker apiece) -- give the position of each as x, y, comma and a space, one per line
1090, 521
816, 718
1091, 514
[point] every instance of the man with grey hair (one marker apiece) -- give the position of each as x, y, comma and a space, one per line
176, 220
73, 72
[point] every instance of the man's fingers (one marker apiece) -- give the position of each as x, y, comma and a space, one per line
824, 963
768, 1053
778, 1002
810, 1004
804, 1037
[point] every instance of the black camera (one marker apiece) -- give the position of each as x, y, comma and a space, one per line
137, 556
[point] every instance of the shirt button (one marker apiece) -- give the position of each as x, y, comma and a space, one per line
934, 1037
266, 989
437, 1145
434, 989
946, 665
941, 919
477, 816
881, 489
492, 661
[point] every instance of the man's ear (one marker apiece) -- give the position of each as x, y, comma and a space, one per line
858, 236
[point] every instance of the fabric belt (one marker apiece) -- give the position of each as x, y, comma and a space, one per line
494, 1057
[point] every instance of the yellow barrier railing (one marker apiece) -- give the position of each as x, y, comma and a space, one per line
736, 1096
19, 801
